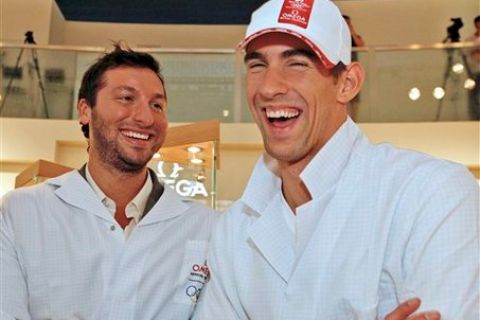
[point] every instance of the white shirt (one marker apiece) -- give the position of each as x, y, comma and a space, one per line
384, 225
134, 209
63, 255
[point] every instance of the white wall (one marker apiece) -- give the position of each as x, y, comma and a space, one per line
19, 16
153, 36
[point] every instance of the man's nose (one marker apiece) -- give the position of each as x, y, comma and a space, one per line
273, 84
143, 113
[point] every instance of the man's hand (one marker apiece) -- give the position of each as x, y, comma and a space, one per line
405, 309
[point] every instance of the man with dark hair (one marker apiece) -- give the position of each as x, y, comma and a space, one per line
332, 226
107, 241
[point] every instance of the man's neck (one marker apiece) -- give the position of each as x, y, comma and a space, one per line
119, 186
293, 188
294, 191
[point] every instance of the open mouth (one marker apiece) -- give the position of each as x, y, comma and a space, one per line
281, 115
136, 135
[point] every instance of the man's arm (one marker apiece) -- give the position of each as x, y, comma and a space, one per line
13, 288
438, 259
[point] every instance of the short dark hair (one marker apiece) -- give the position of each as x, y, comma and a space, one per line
93, 81
477, 19
338, 69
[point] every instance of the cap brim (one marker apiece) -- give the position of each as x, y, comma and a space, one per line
326, 62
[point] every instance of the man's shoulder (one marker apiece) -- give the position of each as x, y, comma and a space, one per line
27, 192
33, 195
413, 174
185, 211
237, 217
408, 162
200, 209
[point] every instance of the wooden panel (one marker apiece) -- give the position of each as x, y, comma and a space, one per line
39, 171
205, 134
193, 133
475, 170
181, 155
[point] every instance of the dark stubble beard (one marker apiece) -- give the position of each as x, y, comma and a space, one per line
110, 152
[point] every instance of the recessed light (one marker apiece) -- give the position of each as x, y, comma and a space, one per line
438, 93
414, 94
458, 68
196, 161
194, 149
469, 84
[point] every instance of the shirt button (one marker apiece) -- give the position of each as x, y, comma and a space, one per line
112, 227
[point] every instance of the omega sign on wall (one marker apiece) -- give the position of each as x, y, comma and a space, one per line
174, 176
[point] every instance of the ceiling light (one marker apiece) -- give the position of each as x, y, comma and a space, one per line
469, 84
458, 68
226, 113
414, 94
194, 149
438, 93
201, 177
196, 161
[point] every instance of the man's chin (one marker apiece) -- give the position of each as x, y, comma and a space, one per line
280, 155
131, 165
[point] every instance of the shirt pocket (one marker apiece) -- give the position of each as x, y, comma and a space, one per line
193, 272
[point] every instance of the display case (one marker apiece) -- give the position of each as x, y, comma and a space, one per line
188, 161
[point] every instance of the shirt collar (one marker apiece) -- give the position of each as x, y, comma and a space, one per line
262, 186
321, 174
94, 186
134, 208
325, 169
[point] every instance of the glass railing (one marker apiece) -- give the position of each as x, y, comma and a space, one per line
420, 83
43, 81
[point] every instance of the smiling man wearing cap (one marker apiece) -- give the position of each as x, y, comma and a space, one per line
331, 226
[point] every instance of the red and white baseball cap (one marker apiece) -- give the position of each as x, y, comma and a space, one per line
318, 23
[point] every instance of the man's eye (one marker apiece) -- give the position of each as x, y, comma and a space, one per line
255, 66
157, 106
298, 64
126, 99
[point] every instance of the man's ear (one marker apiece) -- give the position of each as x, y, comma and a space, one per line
84, 111
351, 81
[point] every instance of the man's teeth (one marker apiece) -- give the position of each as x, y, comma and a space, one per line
281, 114
135, 135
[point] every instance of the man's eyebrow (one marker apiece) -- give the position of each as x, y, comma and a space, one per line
299, 52
252, 55
158, 95
286, 54
127, 88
